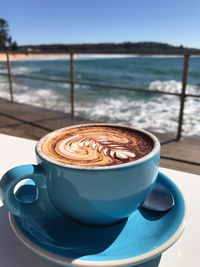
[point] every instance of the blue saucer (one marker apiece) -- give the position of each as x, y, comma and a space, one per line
145, 235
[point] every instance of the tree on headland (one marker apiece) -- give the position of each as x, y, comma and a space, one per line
5, 37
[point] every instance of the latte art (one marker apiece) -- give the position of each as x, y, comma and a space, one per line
96, 146
98, 150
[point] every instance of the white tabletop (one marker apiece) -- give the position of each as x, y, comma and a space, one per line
184, 253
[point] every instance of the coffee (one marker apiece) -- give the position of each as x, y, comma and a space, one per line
93, 173
96, 145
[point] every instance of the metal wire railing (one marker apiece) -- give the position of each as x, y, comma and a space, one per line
72, 82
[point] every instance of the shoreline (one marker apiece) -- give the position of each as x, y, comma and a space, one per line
23, 57
49, 56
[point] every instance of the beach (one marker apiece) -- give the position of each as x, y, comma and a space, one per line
29, 56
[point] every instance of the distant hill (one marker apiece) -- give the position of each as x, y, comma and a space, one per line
104, 48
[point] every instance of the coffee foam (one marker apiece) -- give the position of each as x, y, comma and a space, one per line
96, 146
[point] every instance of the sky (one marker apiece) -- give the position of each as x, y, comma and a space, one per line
176, 22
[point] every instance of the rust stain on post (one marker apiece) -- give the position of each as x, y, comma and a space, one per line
9, 76
183, 94
72, 83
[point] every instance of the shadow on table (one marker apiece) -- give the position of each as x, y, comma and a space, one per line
13, 252
151, 263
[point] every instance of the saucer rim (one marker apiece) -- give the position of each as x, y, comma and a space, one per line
117, 263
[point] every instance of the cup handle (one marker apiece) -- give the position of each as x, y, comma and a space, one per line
40, 207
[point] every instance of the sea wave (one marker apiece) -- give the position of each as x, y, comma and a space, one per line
173, 86
25, 70
157, 112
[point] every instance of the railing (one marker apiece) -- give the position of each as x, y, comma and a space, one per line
183, 95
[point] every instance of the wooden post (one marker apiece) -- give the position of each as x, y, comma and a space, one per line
9, 76
182, 97
72, 81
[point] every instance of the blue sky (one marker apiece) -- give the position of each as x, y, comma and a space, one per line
91, 21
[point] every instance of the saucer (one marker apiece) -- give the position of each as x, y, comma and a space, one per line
141, 237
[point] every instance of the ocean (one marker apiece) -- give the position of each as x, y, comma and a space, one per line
151, 111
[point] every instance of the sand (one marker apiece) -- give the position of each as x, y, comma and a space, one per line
15, 57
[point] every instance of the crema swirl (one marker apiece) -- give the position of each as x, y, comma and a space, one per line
96, 145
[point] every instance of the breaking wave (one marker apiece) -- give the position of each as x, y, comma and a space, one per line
156, 112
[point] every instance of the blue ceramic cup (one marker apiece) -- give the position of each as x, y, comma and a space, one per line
92, 195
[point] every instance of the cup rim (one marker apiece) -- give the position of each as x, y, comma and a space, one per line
156, 148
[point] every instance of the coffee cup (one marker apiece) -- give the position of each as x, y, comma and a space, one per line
93, 173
